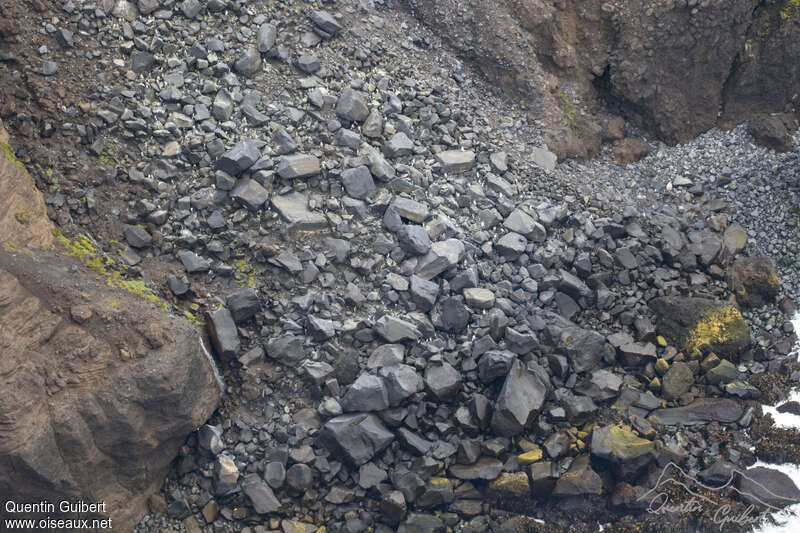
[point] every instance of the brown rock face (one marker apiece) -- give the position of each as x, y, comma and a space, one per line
98, 388
678, 68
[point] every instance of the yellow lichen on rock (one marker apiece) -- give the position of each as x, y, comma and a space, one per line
715, 327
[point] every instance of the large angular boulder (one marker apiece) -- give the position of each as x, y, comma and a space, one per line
754, 281
355, 438
520, 400
621, 447
699, 324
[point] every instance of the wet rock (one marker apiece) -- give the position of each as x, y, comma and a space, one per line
356, 438
761, 485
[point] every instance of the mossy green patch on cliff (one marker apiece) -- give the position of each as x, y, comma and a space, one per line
83, 248
791, 8
9, 152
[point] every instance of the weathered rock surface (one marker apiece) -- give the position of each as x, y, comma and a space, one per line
700, 324
94, 411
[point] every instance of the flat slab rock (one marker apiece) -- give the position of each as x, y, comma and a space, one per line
293, 207
701, 411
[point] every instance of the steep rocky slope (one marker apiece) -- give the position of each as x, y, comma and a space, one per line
677, 68
424, 321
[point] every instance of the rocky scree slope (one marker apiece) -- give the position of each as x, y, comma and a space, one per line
420, 326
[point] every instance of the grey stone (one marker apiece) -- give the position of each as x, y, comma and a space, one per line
454, 315
275, 474
293, 207
300, 477
494, 364
519, 401
260, 495
222, 331
193, 263
243, 304
414, 239
398, 146
250, 193
325, 21
367, 393
267, 34
701, 411
298, 166
142, 61
423, 293
544, 158
442, 256
485, 469
396, 330
239, 158
402, 381
442, 381
286, 349
358, 182
308, 63
249, 63
410, 209
137, 237
511, 245
373, 125
386, 355
456, 161
479, 298
320, 329
521, 222
352, 106
355, 438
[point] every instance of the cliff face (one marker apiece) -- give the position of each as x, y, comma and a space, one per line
678, 68
98, 387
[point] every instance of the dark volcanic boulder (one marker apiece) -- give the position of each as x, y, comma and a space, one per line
701, 411
767, 486
754, 281
698, 324
355, 438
